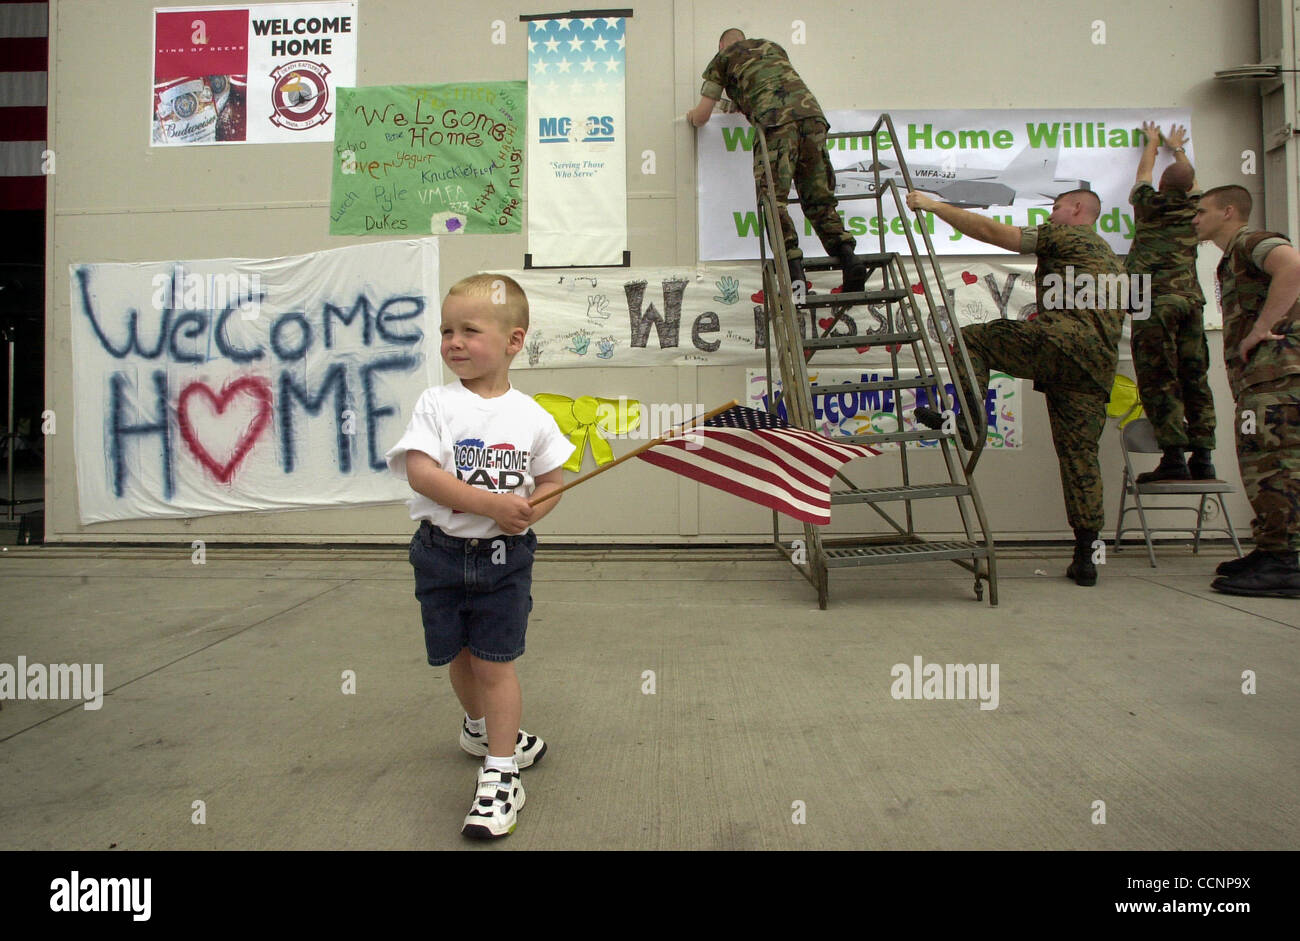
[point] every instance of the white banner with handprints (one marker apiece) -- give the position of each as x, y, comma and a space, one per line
875, 412
1008, 164
713, 316
224, 385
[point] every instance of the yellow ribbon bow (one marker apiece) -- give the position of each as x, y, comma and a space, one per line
1124, 403
583, 418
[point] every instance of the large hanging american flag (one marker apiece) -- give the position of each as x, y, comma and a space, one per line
759, 457
24, 159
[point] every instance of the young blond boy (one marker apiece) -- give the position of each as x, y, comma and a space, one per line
473, 452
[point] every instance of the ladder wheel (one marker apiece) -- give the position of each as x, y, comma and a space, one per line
979, 590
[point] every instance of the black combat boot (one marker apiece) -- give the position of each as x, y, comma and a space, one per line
1237, 566
797, 277
1199, 465
1082, 569
1272, 575
1173, 466
855, 272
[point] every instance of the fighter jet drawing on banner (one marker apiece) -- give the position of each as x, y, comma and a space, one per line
1031, 175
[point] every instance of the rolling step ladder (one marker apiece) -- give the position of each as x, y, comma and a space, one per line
796, 335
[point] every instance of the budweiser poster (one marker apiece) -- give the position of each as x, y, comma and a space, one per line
252, 74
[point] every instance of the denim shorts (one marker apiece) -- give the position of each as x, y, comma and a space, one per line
473, 593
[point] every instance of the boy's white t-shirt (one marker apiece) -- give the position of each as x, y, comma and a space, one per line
499, 444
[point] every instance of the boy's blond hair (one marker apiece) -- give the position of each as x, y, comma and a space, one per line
501, 290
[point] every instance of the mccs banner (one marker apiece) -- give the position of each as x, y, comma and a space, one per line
577, 167
262, 74
1006, 164
224, 385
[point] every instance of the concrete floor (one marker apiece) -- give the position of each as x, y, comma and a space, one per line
224, 686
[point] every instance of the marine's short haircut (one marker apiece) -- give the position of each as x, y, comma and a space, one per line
1177, 176
500, 290
1238, 197
1088, 198
729, 35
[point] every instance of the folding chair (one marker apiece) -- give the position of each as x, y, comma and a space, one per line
1139, 437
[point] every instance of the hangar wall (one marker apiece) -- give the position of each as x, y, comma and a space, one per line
116, 199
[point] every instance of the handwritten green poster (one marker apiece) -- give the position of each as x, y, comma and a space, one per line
429, 159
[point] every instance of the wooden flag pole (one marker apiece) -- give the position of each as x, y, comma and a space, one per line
672, 433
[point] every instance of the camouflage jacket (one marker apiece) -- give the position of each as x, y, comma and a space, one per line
757, 75
1243, 286
1086, 327
1164, 245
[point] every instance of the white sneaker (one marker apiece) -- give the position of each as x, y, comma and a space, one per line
497, 803
528, 748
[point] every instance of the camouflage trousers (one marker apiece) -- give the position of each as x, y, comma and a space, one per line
797, 151
1171, 357
1267, 426
1076, 404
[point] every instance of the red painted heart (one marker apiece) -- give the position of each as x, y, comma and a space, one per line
826, 322
968, 277
917, 289
256, 387
862, 349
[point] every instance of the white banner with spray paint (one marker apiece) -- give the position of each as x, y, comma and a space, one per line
224, 385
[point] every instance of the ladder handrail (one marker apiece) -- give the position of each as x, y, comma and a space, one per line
967, 397
772, 224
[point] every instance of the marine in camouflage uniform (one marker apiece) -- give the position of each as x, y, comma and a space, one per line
1069, 348
1170, 352
757, 75
1266, 388
1070, 355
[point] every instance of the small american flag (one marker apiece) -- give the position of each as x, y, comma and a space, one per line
759, 457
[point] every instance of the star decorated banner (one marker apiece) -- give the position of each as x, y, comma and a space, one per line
577, 164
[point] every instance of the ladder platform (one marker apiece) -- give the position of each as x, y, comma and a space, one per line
912, 492
843, 556
860, 339
850, 298
879, 385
